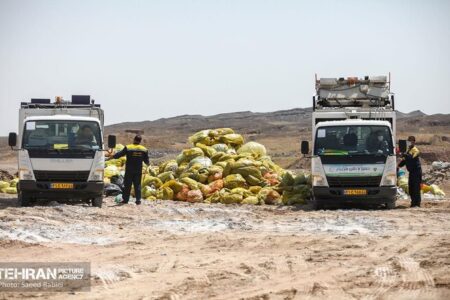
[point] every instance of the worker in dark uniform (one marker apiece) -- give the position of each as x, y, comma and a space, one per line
412, 163
136, 155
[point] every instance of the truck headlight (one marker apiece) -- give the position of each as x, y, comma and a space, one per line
390, 180
26, 174
318, 180
97, 175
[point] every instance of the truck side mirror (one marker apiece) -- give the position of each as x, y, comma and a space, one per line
111, 141
402, 146
12, 139
305, 147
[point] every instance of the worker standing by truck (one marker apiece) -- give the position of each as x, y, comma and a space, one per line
136, 155
412, 162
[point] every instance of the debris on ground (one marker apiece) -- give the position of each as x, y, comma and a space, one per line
438, 172
8, 183
5, 176
431, 180
219, 168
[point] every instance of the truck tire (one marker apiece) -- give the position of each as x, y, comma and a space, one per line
390, 205
24, 199
97, 202
317, 205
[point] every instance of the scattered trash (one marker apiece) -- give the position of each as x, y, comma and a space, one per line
439, 172
439, 165
431, 179
8, 183
112, 190
118, 198
5, 176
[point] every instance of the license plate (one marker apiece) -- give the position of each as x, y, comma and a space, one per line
64, 186
355, 192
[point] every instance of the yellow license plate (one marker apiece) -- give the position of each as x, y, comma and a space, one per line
64, 186
354, 192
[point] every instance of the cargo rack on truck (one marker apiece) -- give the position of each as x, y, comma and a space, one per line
353, 92
77, 101
79, 105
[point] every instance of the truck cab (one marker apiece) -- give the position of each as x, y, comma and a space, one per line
353, 142
60, 151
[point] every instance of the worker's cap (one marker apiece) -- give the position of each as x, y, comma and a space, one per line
411, 138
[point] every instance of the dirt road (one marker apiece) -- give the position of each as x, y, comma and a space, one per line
175, 250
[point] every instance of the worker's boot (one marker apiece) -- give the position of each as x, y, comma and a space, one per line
138, 202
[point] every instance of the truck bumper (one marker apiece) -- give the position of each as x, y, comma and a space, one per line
375, 195
42, 190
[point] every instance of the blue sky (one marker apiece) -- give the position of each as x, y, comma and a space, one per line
144, 60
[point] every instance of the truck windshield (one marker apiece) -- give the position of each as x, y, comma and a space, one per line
355, 139
62, 135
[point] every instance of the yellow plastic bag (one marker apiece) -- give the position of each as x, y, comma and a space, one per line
255, 149
148, 180
166, 176
232, 139
4, 185
189, 154
148, 191
269, 196
226, 197
437, 191
291, 198
200, 137
253, 200
164, 193
254, 189
207, 150
111, 171
241, 191
174, 185
233, 181
170, 165
191, 183
14, 182
220, 148
11, 190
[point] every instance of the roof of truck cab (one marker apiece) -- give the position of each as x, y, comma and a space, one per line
62, 118
353, 122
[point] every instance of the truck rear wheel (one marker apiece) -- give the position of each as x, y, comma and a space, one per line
97, 202
24, 199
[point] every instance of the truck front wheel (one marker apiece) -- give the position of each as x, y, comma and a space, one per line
24, 199
390, 205
97, 202
317, 205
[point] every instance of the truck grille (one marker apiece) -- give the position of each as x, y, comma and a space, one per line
61, 175
369, 181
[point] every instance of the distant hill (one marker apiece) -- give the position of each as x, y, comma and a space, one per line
297, 119
413, 114
293, 120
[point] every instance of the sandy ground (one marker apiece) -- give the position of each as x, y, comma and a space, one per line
175, 250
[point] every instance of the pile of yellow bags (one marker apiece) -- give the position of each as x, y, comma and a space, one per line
9, 187
221, 168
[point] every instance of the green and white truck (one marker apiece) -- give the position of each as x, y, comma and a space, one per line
353, 142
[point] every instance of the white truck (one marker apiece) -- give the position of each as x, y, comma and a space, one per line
353, 142
60, 150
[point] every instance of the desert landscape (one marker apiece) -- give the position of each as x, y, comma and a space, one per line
177, 250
